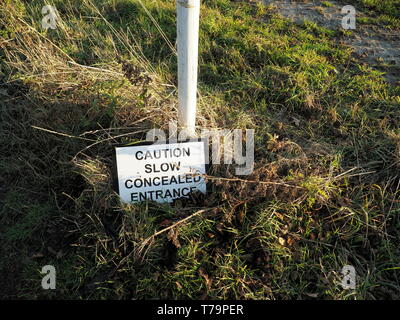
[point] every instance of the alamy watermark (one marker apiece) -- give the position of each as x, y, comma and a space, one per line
349, 20
349, 277
49, 20
49, 280
222, 146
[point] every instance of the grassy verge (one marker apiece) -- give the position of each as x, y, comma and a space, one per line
327, 135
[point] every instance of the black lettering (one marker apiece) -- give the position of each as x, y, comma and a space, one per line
154, 181
175, 165
177, 154
164, 180
184, 190
138, 183
136, 155
173, 180
147, 182
142, 196
151, 194
157, 156
188, 178
134, 196
159, 194
165, 152
148, 168
164, 167
126, 184
177, 193
167, 193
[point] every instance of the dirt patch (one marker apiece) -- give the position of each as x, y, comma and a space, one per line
374, 45
328, 17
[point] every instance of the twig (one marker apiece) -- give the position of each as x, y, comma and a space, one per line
143, 244
252, 181
352, 175
174, 225
95, 68
61, 134
105, 140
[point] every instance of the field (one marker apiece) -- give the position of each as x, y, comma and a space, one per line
324, 192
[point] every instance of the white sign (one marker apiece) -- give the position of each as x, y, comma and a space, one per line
160, 172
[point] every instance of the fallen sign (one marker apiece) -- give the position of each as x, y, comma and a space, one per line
160, 172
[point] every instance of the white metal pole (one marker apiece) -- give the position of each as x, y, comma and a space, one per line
188, 16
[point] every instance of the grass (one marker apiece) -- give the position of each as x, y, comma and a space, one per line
385, 13
326, 125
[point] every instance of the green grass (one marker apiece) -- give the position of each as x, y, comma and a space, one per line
325, 124
327, 4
